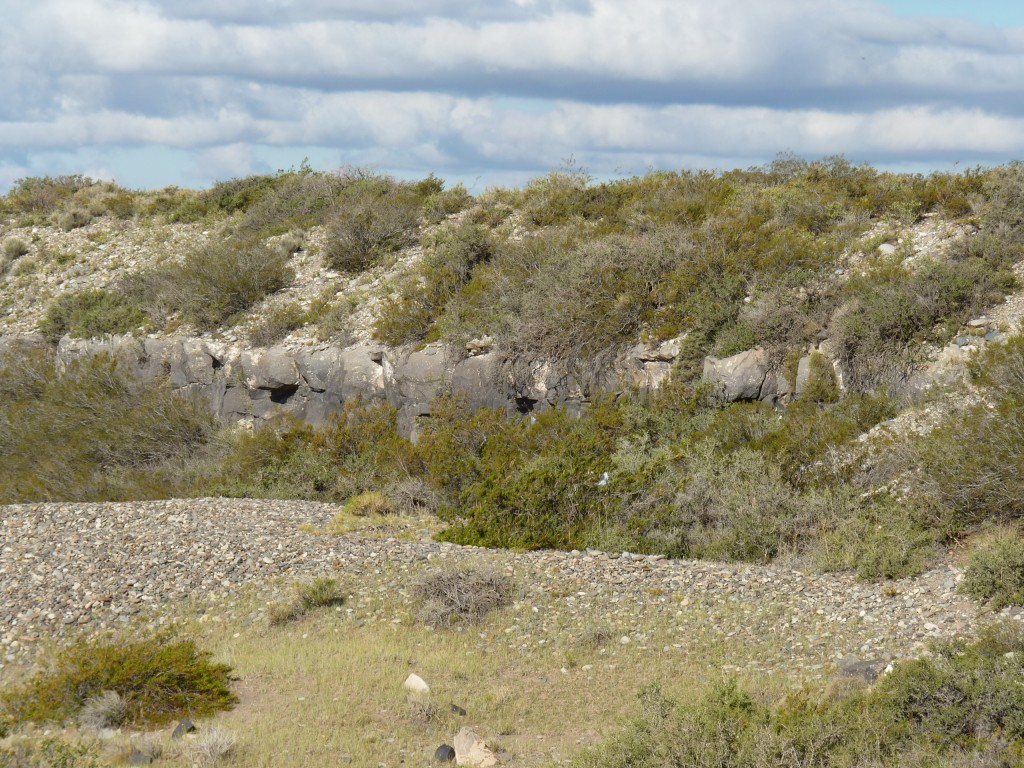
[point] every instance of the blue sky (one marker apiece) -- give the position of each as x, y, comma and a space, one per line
184, 92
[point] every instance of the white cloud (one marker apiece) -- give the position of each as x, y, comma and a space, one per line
437, 84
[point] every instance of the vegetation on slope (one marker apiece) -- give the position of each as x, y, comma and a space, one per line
571, 270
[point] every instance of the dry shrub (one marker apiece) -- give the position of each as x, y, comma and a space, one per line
105, 710
461, 594
211, 745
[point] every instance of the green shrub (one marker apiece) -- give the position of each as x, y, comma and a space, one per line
963, 702
116, 433
963, 693
358, 451
93, 312
375, 217
320, 592
277, 323
218, 281
995, 570
44, 194
158, 680
444, 203
821, 385
881, 540
531, 485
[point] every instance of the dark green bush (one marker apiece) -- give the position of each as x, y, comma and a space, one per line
159, 680
995, 570
358, 451
93, 312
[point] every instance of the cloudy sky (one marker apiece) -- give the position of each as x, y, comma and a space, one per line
158, 92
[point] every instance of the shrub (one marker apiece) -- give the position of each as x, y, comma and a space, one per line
320, 592
369, 503
821, 385
105, 710
50, 752
75, 218
963, 702
44, 194
116, 432
423, 297
158, 681
971, 468
736, 507
14, 248
277, 323
882, 540
93, 312
461, 594
995, 570
375, 217
358, 451
210, 745
218, 281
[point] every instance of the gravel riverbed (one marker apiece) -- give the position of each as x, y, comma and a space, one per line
72, 570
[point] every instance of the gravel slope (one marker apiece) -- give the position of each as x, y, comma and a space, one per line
74, 569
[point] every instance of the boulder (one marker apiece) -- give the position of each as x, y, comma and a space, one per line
364, 372
851, 666
183, 727
323, 371
473, 751
445, 753
745, 376
416, 684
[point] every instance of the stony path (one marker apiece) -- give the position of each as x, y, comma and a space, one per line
73, 569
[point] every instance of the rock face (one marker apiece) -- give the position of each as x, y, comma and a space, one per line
314, 383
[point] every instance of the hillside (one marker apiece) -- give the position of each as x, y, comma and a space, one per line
790, 396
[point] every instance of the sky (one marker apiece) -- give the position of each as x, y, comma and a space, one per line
153, 93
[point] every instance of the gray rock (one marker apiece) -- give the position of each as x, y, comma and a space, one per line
189, 362
741, 377
445, 753
851, 666
364, 373
479, 380
272, 369
183, 727
323, 371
